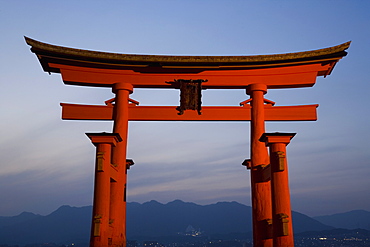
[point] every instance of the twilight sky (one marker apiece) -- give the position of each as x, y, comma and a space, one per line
46, 162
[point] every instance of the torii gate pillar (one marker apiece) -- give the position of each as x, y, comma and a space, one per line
104, 227
118, 189
260, 187
281, 210
100, 227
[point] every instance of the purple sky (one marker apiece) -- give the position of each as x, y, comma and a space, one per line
47, 162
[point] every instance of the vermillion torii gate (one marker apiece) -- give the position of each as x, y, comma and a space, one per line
255, 74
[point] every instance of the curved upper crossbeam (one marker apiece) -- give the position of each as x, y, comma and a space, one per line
154, 70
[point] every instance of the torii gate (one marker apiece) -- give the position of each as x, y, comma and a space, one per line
124, 72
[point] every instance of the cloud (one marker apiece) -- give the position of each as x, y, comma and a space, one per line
42, 192
47, 162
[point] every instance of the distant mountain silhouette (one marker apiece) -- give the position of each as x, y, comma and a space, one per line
303, 223
349, 220
65, 225
25, 216
151, 219
156, 219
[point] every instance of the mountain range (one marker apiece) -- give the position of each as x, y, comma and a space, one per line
350, 220
153, 219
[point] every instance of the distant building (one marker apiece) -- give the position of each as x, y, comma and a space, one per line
190, 231
131, 243
152, 244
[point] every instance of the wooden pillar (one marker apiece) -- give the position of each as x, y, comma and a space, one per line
100, 230
118, 203
261, 190
281, 210
129, 163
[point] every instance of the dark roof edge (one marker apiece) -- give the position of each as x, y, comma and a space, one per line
44, 48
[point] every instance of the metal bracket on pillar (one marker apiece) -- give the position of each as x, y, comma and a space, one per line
99, 161
268, 228
129, 163
280, 156
283, 223
97, 221
264, 172
247, 163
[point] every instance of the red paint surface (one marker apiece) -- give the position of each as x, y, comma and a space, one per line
280, 190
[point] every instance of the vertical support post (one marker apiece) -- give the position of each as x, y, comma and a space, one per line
100, 232
261, 190
281, 210
129, 163
118, 203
